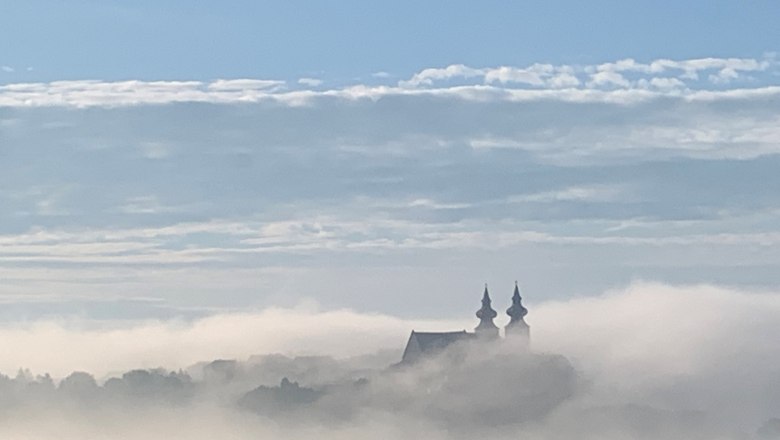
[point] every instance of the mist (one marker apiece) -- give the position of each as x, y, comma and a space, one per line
646, 361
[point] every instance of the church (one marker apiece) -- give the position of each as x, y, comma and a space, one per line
422, 344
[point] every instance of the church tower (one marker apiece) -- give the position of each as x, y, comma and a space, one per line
517, 330
486, 328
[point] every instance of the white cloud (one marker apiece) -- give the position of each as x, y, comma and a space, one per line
655, 331
594, 193
311, 82
391, 191
675, 338
686, 69
563, 80
665, 83
231, 242
428, 203
155, 150
533, 75
44, 200
149, 204
608, 78
559, 82
724, 76
97, 93
431, 75
245, 84
7, 69
174, 344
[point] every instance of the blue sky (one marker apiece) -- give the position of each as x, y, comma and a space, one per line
343, 40
177, 158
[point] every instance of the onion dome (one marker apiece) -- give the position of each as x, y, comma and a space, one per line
486, 314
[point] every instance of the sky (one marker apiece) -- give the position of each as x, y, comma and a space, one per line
348, 40
172, 159
199, 199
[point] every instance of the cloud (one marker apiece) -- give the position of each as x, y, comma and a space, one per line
539, 75
592, 193
567, 83
427, 203
662, 83
155, 150
532, 75
688, 69
7, 69
547, 82
430, 75
89, 93
724, 76
647, 361
237, 85
311, 82
457, 176
608, 78
598, 76
237, 241
149, 204
178, 344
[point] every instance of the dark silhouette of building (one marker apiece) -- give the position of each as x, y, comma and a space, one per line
423, 344
486, 328
517, 331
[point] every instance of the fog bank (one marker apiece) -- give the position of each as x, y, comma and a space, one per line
647, 361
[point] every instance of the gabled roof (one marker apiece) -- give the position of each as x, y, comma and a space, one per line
437, 340
422, 343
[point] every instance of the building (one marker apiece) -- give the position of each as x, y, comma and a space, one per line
517, 331
517, 328
423, 344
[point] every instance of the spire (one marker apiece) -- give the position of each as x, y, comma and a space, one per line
517, 311
517, 325
486, 314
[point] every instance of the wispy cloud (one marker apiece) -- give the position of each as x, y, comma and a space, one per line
596, 193
236, 85
236, 241
460, 170
311, 82
149, 204
155, 150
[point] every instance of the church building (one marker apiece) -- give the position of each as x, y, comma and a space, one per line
422, 344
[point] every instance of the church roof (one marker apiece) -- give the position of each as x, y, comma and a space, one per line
422, 343
425, 344
433, 341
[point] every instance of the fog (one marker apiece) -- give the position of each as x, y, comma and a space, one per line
646, 361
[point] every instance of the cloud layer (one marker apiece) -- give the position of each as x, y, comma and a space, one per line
650, 361
181, 197
624, 81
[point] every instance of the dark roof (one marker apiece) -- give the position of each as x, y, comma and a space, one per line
428, 343
432, 341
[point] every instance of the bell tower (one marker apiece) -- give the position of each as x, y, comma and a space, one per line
517, 330
486, 328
